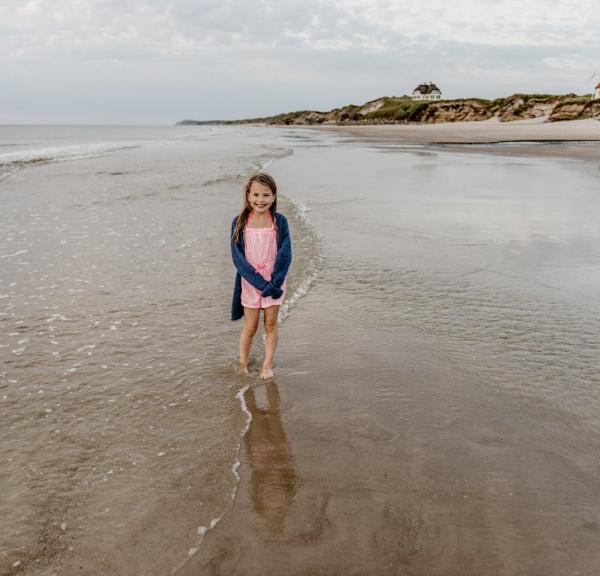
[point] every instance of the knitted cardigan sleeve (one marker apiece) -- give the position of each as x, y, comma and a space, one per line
284, 255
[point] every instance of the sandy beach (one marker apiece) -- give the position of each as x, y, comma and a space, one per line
492, 130
432, 406
525, 137
435, 407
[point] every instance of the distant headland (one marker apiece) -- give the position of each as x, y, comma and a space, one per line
408, 110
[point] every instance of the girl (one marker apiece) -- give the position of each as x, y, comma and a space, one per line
261, 250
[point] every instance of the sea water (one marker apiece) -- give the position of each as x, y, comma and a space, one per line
121, 413
121, 416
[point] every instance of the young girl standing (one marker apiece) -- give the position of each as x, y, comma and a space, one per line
261, 250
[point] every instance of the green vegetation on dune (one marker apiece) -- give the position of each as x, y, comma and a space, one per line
398, 109
576, 107
403, 109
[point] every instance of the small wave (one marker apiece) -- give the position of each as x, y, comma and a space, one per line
202, 530
11, 162
307, 262
224, 178
283, 154
309, 257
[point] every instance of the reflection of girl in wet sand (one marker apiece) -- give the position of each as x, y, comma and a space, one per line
261, 250
273, 479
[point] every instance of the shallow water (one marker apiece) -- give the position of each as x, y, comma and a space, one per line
448, 420
121, 418
496, 259
436, 410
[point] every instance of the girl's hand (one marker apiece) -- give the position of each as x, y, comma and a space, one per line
271, 290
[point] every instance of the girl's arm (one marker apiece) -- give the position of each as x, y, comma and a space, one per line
283, 258
242, 265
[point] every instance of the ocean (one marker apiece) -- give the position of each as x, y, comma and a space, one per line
122, 417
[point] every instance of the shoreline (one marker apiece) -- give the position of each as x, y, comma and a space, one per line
373, 456
574, 139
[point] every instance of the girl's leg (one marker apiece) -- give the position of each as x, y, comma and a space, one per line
271, 334
251, 317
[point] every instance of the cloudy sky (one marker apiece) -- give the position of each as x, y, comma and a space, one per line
159, 61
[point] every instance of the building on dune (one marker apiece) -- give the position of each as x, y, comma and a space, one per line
427, 91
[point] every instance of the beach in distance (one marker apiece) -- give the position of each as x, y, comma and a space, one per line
435, 408
535, 136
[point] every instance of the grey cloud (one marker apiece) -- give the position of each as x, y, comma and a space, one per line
231, 58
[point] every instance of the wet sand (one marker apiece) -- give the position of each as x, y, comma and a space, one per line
477, 132
119, 419
522, 138
335, 480
436, 403
428, 416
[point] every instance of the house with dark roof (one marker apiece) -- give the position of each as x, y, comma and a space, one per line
596, 95
427, 91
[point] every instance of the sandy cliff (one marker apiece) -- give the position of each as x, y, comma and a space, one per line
401, 110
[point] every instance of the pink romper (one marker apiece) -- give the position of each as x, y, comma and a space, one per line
260, 245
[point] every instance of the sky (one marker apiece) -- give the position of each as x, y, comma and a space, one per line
158, 62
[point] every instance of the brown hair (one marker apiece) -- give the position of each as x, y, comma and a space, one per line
268, 181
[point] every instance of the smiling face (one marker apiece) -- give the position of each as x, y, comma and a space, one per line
260, 197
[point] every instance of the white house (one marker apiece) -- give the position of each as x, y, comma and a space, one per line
427, 91
596, 95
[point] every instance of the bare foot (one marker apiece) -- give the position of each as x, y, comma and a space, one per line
241, 370
266, 373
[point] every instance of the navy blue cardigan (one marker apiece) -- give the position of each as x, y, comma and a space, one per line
245, 269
